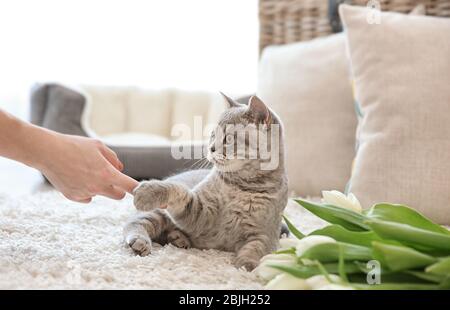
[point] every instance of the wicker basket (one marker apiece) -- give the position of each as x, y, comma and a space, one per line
287, 21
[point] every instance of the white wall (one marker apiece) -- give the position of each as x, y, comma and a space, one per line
190, 44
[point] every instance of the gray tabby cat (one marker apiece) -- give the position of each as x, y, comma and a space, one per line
236, 206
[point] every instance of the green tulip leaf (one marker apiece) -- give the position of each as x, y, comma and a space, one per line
404, 215
412, 236
397, 286
445, 284
329, 252
339, 233
440, 268
293, 229
348, 219
398, 258
396, 277
341, 265
297, 271
306, 271
426, 276
286, 251
350, 268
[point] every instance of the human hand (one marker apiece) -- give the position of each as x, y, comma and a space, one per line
81, 168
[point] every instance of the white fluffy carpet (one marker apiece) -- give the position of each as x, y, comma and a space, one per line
48, 242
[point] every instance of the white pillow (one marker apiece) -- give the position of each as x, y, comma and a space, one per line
308, 85
401, 70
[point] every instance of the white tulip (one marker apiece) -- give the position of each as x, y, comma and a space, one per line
286, 281
339, 199
266, 272
288, 243
335, 287
319, 281
308, 242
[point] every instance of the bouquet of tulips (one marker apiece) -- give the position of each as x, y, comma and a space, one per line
385, 247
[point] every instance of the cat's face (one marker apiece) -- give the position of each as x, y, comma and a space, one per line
244, 137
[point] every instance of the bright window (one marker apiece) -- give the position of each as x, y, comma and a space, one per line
189, 44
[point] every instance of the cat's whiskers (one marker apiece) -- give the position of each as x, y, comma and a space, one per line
205, 163
199, 164
192, 164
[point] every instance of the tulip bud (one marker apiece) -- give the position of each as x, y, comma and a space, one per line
266, 272
308, 242
339, 199
335, 287
288, 243
286, 281
319, 281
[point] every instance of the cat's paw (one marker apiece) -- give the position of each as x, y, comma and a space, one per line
150, 195
140, 245
245, 262
178, 239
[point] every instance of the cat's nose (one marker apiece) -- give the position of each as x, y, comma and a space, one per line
213, 149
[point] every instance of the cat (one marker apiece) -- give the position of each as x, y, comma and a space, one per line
236, 206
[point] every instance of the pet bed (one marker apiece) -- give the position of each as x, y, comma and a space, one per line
142, 126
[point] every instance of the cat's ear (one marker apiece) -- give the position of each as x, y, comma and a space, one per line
230, 102
259, 111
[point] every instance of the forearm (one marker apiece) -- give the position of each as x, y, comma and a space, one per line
79, 167
22, 141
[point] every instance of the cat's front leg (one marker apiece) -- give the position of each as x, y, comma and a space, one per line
249, 255
150, 195
155, 194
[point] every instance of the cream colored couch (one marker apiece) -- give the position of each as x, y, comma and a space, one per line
142, 126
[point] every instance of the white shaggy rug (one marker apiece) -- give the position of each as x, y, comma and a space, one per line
48, 242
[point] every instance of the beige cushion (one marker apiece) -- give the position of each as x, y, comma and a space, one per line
191, 109
308, 85
108, 114
149, 111
132, 139
401, 70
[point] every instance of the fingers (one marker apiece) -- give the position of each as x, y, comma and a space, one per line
120, 180
113, 193
111, 156
109, 191
124, 182
77, 198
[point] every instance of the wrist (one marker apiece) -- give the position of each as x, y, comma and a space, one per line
38, 145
